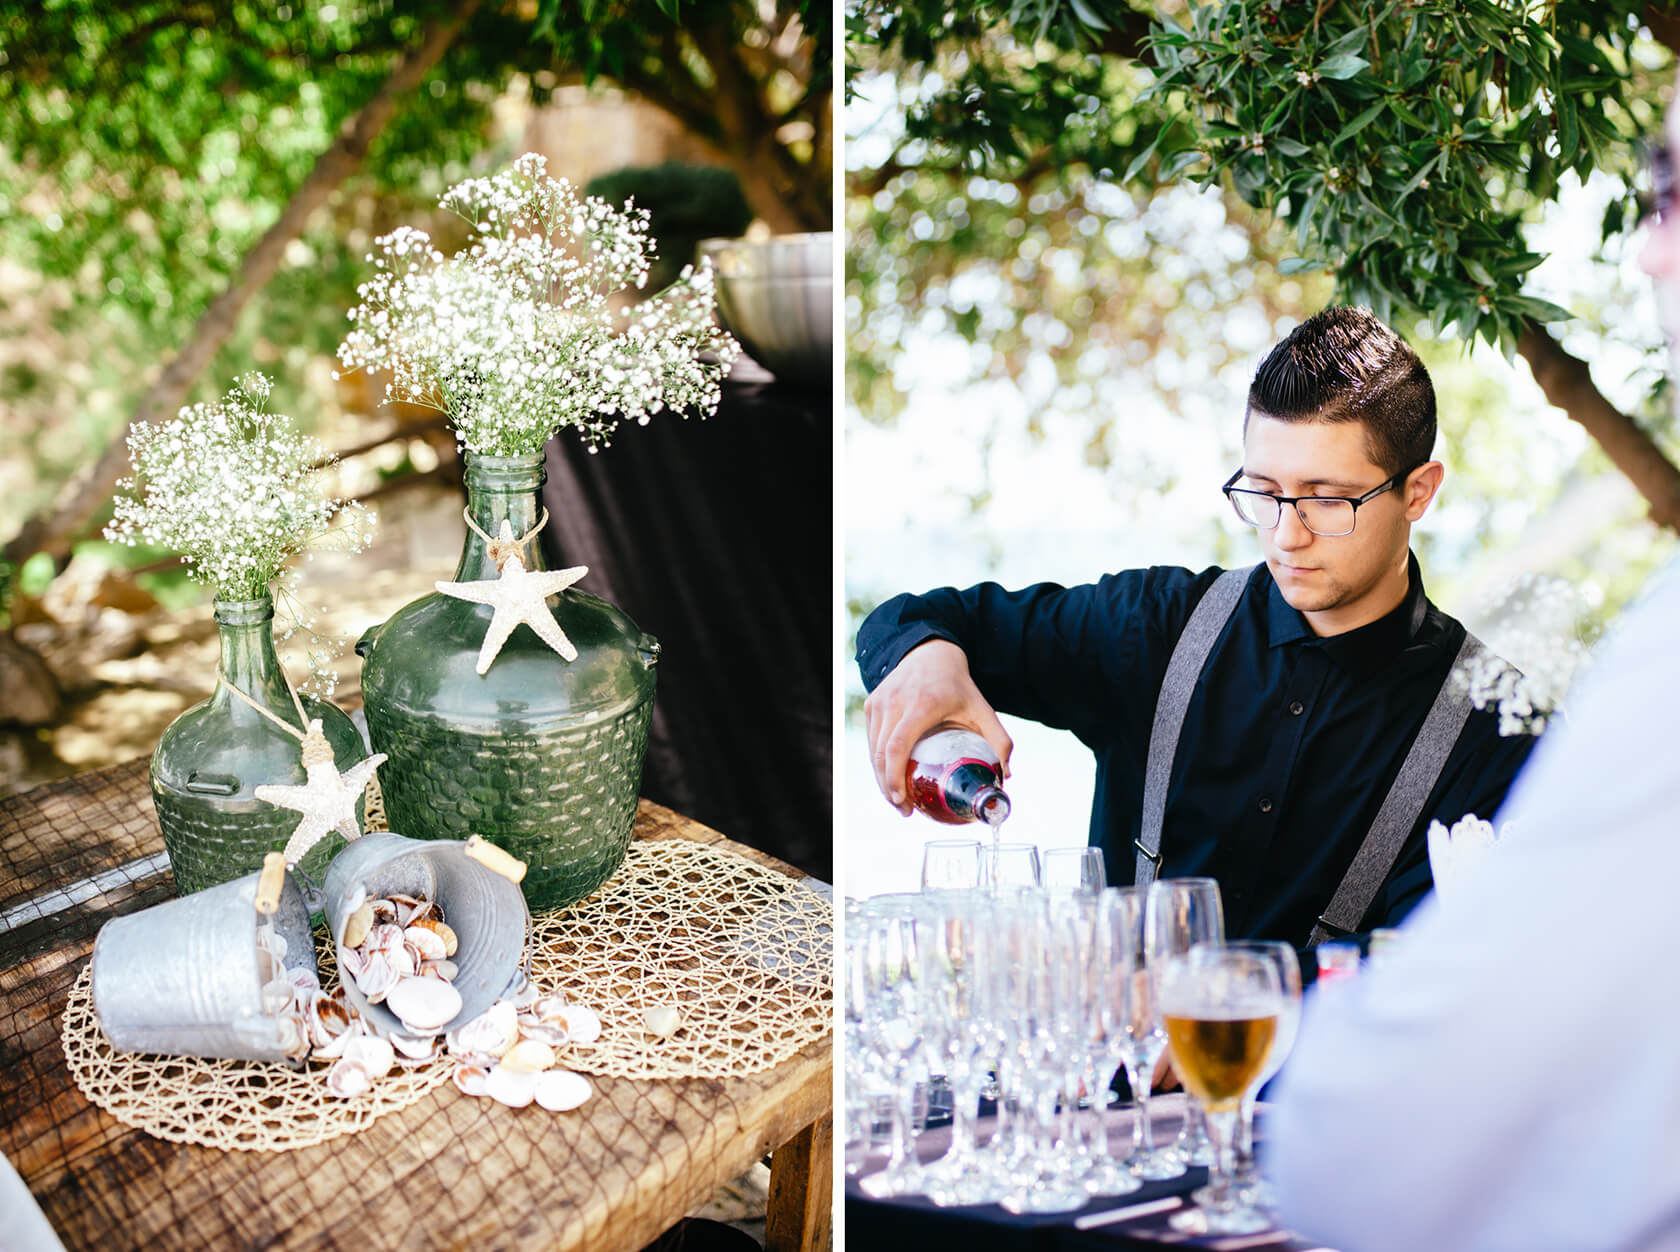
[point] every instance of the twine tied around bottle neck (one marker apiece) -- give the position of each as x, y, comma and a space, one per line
316, 749
502, 549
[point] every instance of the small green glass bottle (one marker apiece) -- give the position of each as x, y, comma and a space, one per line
213, 757
540, 755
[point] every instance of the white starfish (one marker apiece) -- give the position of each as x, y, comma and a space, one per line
519, 595
327, 800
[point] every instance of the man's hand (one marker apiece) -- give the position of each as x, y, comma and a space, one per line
929, 687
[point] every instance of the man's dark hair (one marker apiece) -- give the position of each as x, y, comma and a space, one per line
1343, 365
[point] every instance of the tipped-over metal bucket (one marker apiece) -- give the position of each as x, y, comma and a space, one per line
185, 977
485, 908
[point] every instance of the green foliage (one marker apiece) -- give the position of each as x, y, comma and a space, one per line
1406, 142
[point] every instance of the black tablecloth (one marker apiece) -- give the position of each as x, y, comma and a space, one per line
716, 536
915, 1222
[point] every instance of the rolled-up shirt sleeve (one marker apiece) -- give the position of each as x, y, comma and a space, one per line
1506, 1079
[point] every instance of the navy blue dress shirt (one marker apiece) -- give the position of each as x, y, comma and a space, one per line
1289, 746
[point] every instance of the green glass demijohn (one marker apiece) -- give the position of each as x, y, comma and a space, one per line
540, 755
213, 757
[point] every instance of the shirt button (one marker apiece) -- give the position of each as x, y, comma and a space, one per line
1265, 804
1297, 708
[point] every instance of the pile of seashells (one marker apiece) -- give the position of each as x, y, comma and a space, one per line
399, 951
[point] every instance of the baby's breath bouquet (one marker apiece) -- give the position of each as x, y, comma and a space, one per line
237, 491
518, 334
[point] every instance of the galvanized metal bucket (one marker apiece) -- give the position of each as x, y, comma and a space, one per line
185, 977
483, 906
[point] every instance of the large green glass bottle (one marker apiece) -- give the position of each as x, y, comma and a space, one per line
540, 755
213, 757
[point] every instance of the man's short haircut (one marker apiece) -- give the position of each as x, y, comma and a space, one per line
1343, 365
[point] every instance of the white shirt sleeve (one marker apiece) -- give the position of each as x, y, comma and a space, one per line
1510, 1077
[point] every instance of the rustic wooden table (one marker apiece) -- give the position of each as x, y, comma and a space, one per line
447, 1172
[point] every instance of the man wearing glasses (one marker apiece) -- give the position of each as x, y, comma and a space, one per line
1289, 730
1508, 1077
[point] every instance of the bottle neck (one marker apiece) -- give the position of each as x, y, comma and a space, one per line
501, 489
249, 661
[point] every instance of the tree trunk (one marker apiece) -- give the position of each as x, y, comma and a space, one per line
53, 530
1568, 384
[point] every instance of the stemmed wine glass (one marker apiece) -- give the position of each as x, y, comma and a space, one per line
1221, 1007
1005, 866
893, 1028
1136, 1017
1074, 869
1183, 912
957, 947
1251, 1187
1116, 955
950, 864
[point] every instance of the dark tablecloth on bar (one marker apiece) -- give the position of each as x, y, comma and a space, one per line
716, 536
915, 1222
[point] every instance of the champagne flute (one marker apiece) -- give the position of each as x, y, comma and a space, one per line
1183, 912
950, 864
1010, 865
1115, 955
893, 1028
1221, 1007
1141, 1037
1074, 869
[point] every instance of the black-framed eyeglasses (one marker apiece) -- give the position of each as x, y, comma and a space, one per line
1659, 201
1330, 516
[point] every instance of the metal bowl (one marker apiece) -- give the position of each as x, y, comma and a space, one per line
776, 296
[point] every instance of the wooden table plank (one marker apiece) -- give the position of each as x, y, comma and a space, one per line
450, 1172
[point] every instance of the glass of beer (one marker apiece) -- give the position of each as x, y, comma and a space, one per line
1221, 1007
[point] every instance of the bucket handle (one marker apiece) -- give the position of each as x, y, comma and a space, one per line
271, 883
495, 859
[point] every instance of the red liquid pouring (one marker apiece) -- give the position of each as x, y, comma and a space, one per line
954, 777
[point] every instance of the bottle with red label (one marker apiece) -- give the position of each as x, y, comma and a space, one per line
955, 777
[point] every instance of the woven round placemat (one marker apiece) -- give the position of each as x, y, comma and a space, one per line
744, 954
250, 1106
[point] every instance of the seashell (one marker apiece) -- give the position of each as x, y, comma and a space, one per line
271, 941
446, 970
552, 1034
304, 978
427, 943
294, 1038
425, 1005
383, 937
547, 1008
376, 979
347, 1078
510, 1087
560, 1090
408, 908
415, 1047
469, 1079
276, 996
350, 962
662, 1020
581, 1023
373, 1054
528, 1056
356, 927
383, 911
444, 932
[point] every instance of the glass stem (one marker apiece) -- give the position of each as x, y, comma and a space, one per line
1222, 1131
1099, 1102
1139, 1070
903, 1149
1244, 1154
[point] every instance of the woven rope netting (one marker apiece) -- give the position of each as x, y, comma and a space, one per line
741, 952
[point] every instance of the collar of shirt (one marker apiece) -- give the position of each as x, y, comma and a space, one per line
1364, 650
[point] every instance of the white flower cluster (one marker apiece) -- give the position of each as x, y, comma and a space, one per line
516, 336
235, 490
1537, 627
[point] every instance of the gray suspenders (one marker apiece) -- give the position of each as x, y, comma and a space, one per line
1399, 811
